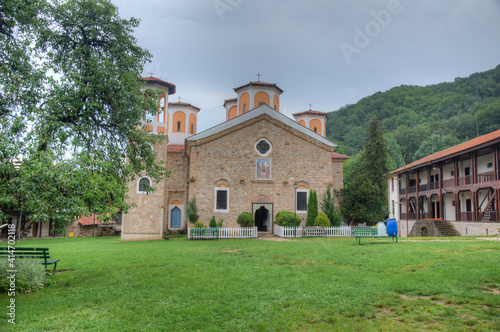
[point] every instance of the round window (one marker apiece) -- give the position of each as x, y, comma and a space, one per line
263, 146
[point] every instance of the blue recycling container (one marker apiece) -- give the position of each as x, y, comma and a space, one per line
392, 227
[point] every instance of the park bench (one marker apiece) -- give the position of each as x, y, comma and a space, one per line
204, 233
42, 254
369, 232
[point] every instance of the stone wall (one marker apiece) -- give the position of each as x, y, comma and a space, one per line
146, 221
230, 160
477, 228
175, 188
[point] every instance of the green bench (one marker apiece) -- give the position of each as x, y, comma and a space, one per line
369, 232
42, 254
204, 233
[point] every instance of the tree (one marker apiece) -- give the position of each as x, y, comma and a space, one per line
328, 207
364, 198
212, 223
435, 143
71, 109
312, 208
192, 211
322, 220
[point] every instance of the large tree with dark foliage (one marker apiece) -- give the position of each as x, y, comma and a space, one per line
365, 192
71, 108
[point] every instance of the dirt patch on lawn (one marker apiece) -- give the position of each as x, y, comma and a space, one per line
275, 238
495, 291
489, 238
230, 250
428, 298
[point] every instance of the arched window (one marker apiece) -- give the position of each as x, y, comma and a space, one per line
244, 108
143, 185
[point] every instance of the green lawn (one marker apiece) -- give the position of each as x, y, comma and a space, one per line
257, 285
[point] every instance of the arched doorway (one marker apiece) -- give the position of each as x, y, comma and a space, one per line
261, 217
263, 214
175, 222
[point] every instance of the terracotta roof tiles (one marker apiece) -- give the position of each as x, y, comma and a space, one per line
155, 80
462, 148
175, 148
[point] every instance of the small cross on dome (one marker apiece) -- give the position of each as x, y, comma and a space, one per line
258, 76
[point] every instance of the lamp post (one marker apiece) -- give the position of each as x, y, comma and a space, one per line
295, 217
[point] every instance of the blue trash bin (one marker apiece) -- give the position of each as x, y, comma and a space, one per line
392, 227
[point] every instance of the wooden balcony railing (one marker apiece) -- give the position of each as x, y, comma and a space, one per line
465, 180
464, 216
448, 183
485, 177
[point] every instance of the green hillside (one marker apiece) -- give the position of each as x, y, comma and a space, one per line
420, 120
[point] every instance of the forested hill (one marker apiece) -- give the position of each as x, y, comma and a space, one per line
428, 118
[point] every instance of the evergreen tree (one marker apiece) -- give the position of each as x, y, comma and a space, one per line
328, 207
312, 208
213, 223
192, 211
365, 196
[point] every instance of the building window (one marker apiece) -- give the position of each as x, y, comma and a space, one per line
221, 203
192, 128
490, 165
244, 108
467, 171
302, 197
392, 184
178, 126
468, 205
143, 185
263, 147
316, 129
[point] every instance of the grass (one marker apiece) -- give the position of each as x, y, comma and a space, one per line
313, 284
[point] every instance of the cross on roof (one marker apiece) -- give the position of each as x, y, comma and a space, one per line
151, 73
180, 99
310, 107
258, 76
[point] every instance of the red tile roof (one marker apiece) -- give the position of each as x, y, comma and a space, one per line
456, 150
156, 80
183, 105
311, 112
259, 84
175, 148
339, 156
89, 221
232, 100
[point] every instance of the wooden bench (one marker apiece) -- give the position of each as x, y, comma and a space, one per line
204, 233
369, 232
36, 253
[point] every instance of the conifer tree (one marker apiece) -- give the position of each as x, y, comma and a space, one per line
365, 194
192, 211
312, 208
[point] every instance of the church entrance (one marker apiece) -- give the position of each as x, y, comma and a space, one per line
263, 214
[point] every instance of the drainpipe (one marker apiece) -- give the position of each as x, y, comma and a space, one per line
187, 188
440, 190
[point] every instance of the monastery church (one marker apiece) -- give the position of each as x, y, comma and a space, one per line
249, 163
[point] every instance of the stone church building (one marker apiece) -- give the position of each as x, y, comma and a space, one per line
248, 163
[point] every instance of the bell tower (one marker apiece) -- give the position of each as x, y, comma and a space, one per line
314, 120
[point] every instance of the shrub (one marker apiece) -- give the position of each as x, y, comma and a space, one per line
192, 211
322, 220
30, 275
245, 219
213, 223
285, 218
199, 224
312, 208
220, 223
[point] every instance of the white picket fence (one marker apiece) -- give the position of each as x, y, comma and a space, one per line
282, 231
225, 233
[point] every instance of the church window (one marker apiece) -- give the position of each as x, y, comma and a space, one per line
316, 129
263, 147
143, 185
192, 128
221, 203
261, 103
302, 196
178, 126
244, 108
161, 115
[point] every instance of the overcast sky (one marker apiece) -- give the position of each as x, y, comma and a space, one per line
325, 52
